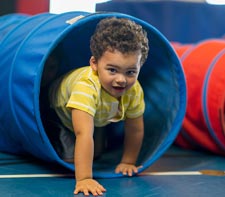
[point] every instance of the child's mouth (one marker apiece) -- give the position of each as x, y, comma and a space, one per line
120, 89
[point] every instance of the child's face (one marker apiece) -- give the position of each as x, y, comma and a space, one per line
117, 72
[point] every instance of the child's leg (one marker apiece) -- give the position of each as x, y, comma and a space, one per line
100, 142
66, 139
61, 139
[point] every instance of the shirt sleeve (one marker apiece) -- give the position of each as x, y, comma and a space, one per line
83, 97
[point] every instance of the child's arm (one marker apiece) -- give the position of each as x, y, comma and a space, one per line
134, 133
83, 155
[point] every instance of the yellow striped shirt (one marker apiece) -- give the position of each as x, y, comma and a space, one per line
81, 89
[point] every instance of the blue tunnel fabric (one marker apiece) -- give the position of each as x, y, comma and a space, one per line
8, 22
25, 49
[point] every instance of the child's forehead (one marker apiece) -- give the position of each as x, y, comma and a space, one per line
118, 58
125, 53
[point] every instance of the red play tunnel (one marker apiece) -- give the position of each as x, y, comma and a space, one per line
204, 123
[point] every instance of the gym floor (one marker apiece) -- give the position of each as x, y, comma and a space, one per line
178, 173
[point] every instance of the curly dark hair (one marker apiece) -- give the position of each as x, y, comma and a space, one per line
121, 34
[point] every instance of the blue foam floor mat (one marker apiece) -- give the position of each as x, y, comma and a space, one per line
178, 173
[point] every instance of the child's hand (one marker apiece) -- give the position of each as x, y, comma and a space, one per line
127, 169
89, 185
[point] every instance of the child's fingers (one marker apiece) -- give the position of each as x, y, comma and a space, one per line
89, 186
127, 169
139, 167
130, 172
86, 193
118, 170
93, 191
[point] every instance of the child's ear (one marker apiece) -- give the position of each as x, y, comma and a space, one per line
93, 63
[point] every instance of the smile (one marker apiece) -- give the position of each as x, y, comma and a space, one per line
119, 88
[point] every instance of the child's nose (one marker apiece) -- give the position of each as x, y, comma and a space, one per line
121, 79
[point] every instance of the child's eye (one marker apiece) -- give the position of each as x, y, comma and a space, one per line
131, 73
112, 70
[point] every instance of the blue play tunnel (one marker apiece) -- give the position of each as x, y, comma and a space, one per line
26, 42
